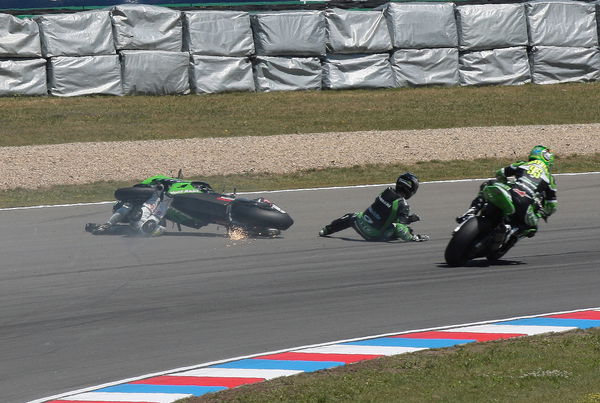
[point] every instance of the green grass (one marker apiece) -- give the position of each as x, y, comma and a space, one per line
357, 175
539, 369
26, 120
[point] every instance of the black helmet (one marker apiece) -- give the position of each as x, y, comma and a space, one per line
407, 185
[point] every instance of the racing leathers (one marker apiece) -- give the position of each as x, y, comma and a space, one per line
533, 193
147, 220
386, 219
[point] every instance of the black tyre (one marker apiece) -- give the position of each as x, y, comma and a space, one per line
460, 249
134, 194
253, 213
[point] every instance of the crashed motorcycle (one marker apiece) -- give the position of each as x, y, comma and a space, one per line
195, 204
491, 233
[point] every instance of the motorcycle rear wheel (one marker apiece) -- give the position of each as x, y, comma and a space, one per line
460, 248
134, 194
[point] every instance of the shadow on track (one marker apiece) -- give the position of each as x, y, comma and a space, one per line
127, 231
485, 263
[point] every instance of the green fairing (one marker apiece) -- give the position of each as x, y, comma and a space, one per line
178, 187
499, 195
156, 179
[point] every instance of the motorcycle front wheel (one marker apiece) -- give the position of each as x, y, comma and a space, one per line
251, 213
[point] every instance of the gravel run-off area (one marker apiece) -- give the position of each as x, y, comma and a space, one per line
77, 163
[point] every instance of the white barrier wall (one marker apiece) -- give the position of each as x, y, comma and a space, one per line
358, 45
22, 69
492, 39
491, 26
155, 72
507, 66
415, 67
289, 33
23, 77
422, 25
351, 71
144, 27
352, 32
553, 65
425, 41
212, 74
218, 33
79, 34
564, 40
81, 53
273, 73
85, 75
139, 49
19, 38
562, 23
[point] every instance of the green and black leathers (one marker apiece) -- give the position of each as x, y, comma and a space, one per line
386, 219
533, 180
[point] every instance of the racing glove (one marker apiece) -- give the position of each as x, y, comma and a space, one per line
420, 238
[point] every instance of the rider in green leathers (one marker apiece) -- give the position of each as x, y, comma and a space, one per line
387, 218
533, 191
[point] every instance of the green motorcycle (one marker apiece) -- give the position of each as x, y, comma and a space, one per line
491, 233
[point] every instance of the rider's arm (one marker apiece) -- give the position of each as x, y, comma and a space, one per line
503, 173
404, 215
550, 200
401, 229
550, 207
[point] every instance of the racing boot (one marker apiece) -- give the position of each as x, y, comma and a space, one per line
528, 232
325, 231
476, 205
339, 224
158, 231
468, 214
97, 229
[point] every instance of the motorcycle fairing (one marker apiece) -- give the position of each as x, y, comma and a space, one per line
498, 194
203, 206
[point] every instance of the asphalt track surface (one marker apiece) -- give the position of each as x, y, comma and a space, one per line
78, 310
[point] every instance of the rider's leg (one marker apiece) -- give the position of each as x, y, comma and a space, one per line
473, 209
153, 212
531, 222
525, 216
121, 211
403, 232
476, 204
338, 224
119, 214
